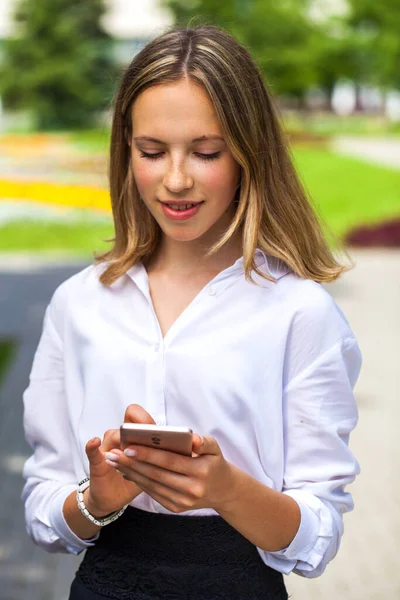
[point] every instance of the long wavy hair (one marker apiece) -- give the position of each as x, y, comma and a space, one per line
273, 212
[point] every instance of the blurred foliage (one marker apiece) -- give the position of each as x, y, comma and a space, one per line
8, 348
376, 27
59, 64
296, 51
280, 36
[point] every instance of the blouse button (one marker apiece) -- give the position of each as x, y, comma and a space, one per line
212, 291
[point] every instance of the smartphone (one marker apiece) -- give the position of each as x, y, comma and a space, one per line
166, 437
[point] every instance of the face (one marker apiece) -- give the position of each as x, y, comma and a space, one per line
178, 168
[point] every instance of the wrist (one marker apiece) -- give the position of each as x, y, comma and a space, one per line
232, 487
92, 507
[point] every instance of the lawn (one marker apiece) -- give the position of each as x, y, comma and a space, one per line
346, 191
81, 238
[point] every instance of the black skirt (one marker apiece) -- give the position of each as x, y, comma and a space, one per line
154, 556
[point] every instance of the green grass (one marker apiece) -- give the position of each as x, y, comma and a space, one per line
93, 140
347, 191
8, 349
80, 238
88, 140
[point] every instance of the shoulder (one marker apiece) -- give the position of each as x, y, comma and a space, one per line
311, 305
315, 325
82, 288
306, 307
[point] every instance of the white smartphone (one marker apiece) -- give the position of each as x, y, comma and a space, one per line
166, 437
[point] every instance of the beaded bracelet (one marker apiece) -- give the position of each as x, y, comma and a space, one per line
82, 486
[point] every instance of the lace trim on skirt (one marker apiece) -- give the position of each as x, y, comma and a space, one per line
153, 556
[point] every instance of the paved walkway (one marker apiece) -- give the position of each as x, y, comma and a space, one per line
366, 566
378, 150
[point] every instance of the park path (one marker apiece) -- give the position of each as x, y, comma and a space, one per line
379, 150
366, 566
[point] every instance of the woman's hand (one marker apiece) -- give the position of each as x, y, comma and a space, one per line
180, 483
108, 490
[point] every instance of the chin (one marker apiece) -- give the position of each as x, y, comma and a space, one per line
183, 238
183, 235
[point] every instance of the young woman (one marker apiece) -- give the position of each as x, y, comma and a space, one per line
208, 312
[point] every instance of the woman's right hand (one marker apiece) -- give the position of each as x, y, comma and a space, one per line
108, 490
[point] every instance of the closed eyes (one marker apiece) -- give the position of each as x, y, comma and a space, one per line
205, 157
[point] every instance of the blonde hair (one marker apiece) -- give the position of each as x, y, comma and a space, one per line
273, 211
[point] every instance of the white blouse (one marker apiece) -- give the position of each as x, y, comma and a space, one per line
268, 370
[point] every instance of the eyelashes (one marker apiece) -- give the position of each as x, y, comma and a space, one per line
204, 157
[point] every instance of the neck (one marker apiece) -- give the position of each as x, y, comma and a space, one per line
188, 258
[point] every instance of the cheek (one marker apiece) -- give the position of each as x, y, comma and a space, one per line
144, 176
223, 179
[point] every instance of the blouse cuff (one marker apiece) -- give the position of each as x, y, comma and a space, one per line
73, 543
307, 549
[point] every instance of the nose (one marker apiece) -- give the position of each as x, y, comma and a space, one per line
177, 178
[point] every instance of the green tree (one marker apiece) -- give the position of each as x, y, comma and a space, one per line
340, 54
280, 35
376, 27
59, 64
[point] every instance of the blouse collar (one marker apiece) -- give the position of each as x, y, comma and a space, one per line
268, 264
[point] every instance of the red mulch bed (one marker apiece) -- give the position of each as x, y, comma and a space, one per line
382, 235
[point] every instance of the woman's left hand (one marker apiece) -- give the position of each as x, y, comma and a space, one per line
180, 483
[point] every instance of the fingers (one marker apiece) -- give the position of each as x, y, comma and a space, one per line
164, 459
137, 414
153, 480
133, 469
111, 440
205, 445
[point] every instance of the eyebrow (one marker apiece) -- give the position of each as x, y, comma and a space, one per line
145, 138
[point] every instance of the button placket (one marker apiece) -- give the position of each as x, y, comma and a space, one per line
157, 349
157, 383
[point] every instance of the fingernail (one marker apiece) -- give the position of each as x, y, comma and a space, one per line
129, 452
112, 456
112, 463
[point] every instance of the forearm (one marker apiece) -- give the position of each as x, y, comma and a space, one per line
76, 521
267, 518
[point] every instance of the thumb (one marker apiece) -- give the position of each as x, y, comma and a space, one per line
205, 445
93, 452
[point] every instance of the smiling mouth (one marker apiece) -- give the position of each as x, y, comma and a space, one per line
182, 206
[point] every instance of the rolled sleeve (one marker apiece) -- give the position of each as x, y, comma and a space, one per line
73, 543
49, 474
319, 413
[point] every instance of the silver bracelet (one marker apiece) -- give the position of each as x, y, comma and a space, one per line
82, 486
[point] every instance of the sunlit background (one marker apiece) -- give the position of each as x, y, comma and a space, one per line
334, 69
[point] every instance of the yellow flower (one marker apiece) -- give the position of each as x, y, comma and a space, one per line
75, 196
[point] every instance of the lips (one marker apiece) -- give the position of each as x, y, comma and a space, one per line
180, 214
181, 203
